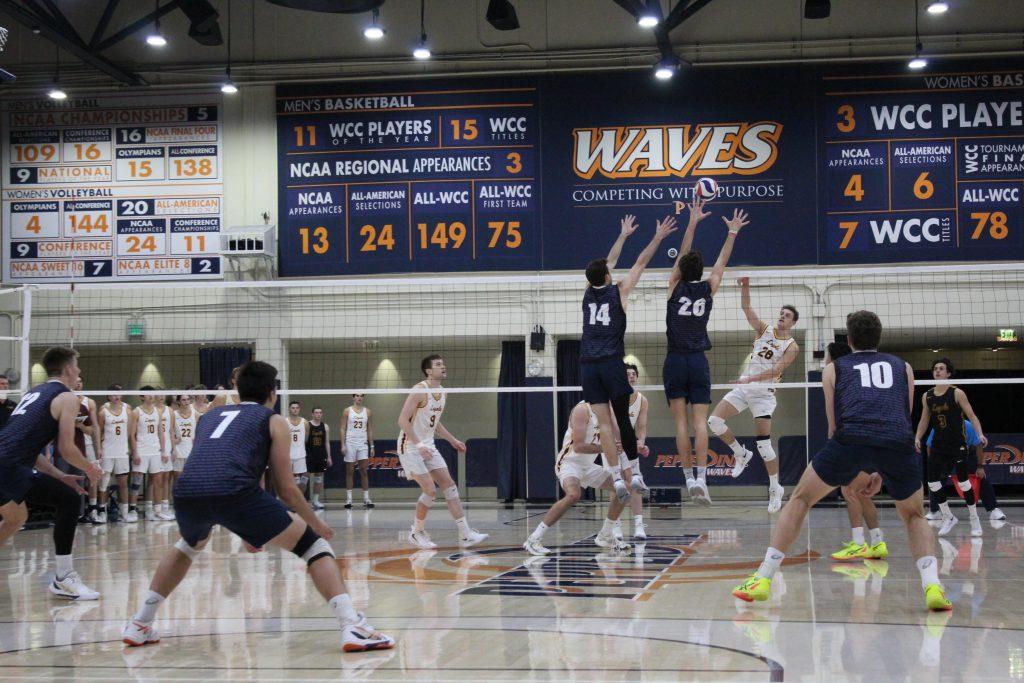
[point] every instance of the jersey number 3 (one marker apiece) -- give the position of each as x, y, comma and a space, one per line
600, 315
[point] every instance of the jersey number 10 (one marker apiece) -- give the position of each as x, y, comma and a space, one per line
877, 375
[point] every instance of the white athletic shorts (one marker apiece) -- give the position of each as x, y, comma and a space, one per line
758, 398
179, 464
152, 464
414, 464
116, 466
354, 452
299, 465
581, 467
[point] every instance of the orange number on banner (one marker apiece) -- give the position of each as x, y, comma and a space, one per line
854, 188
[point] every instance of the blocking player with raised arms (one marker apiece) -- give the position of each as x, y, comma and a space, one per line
47, 412
576, 470
419, 420
686, 374
868, 399
220, 485
147, 434
357, 446
318, 456
602, 346
116, 420
298, 428
943, 409
774, 351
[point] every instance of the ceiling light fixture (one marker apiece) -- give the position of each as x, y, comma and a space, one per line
666, 68
373, 31
228, 87
422, 51
156, 38
938, 7
918, 62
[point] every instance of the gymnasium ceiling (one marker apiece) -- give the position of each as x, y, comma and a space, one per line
270, 43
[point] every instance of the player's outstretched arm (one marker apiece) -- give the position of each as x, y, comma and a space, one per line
828, 386
965, 406
578, 420
281, 465
664, 228
628, 227
926, 416
447, 436
697, 214
748, 310
735, 224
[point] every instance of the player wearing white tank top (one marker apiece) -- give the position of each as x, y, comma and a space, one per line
419, 420
774, 351
93, 451
163, 507
185, 419
357, 447
298, 429
115, 421
149, 452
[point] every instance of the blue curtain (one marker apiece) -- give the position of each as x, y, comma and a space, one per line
217, 362
512, 423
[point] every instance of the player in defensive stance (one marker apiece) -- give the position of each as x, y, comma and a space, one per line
220, 485
637, 418
357, 445
46, 412
774, 351
419, 420
299, 430
116, 421
576, 470
602, 347
686, 374
868, 399
943, 408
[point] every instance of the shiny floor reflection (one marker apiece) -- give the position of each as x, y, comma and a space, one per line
661, 613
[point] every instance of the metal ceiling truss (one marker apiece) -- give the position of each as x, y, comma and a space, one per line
683, 10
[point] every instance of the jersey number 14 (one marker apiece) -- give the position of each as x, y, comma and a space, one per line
600, 315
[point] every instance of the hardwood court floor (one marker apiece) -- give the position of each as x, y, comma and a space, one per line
663, 614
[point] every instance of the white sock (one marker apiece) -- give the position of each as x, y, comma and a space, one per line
690, 481
123, 509
63, 566
702, 473
617, 473
737, 448
342, 607
973, 510
165, 506
316, 498
148, 608
772, 561
463, 526
773, 480
858, 535
638, 520
944, 508
348, 495
92, 502
366, 496
149, 505
876, 536
418, 523
606, 528
538, 533
929, 568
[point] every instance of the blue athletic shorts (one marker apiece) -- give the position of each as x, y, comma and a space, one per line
687, 375
838, 463
604, 380
254, 515
15, 483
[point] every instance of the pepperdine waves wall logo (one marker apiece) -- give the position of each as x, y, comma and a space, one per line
665, 151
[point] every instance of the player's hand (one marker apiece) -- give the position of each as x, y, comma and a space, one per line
743, 281
642, 449
917, 445
665, 227
697, 212
458, 445
330, 463
738, 220
252, 548
74, 481
136, 460
980, 473
164, 457
321, 527
629, 225
873, 486
344, 451
983, 440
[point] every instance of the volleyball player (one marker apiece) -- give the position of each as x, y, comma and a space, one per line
419, 420
93, 449
774, 351
116, 420
943, 409
638, 418
47, 412
220, 485
868, 399
228, 399
686, 374
298, 427
201, 402
975, 464
147, 434
602, 346
576, 470
163, 508
185, 419
357, 446
318, 456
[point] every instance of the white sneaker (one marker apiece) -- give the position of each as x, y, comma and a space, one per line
621, 491
534, 547
165, 516
472, 539
71, 587
617, 530
134, 634
947, 525
151, 516
639, 486
701, 497
132, 517
740, 462
421, 538
997, 523
357, 638
607, 540
639, 532
976, 527
996, 514
101, 517
775, 494
933, 516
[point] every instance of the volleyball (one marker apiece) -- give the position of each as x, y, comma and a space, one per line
707, 189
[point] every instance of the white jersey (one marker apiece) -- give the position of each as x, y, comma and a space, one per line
593, 436
766, 354
115, 433
298, 438
88, 435
634, 408
355, 432
168, 427
428, 414
185, 428
147, 438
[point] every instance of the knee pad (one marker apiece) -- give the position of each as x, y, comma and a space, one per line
185, 549
426, 500
935, 486
964, 485
135, 483
301, 481
764, 447
104, 482
311, 547
451, 493
717, 425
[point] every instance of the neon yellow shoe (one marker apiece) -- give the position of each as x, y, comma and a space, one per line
935, 598
850, 552
852, 571
879, 551
754, 588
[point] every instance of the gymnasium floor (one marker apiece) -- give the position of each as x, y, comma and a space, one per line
497, 616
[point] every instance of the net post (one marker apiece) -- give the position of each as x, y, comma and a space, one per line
26, 328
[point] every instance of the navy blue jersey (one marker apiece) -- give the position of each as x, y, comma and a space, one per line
230, 452
31, 425
686, 320
871, 400
604, 324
